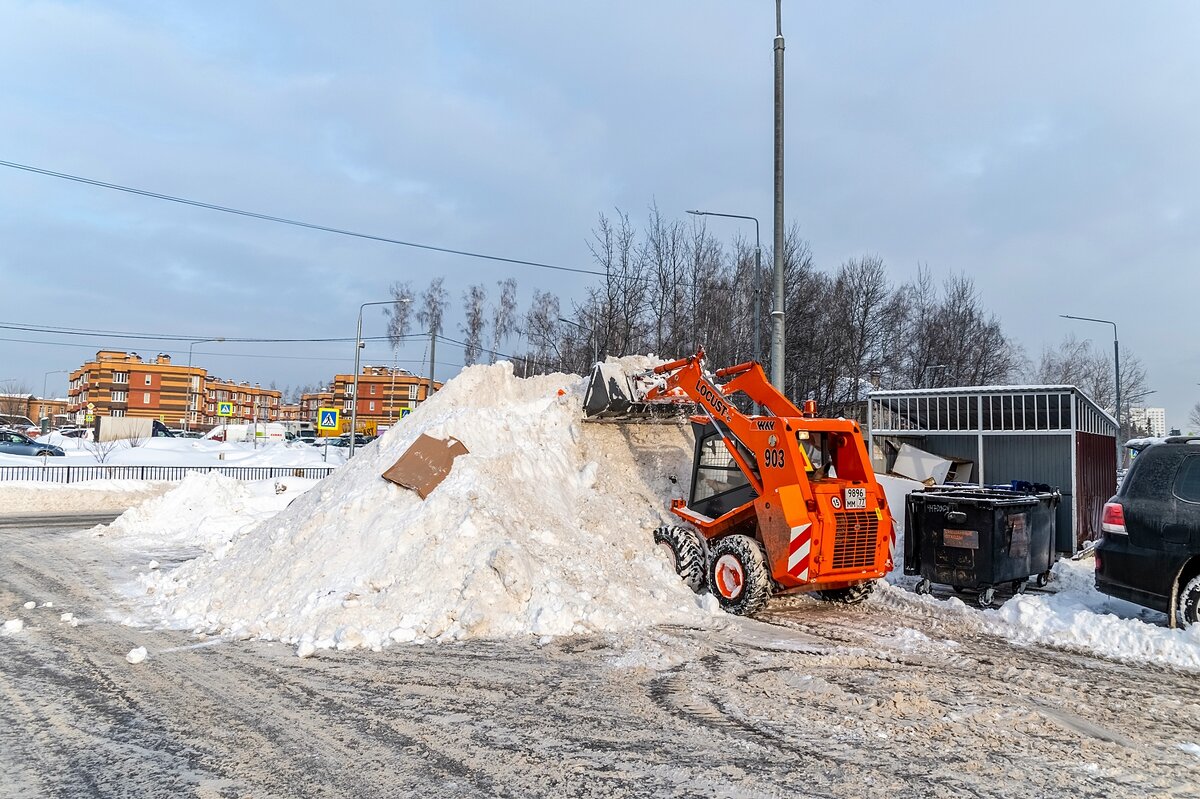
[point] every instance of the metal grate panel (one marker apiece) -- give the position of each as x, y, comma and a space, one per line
855, 539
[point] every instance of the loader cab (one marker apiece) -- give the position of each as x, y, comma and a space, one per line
718, 485
831, 455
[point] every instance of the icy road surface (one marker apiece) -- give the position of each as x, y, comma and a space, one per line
820, 701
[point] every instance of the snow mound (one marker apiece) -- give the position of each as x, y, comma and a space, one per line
1080, 617
206, 510
543, 529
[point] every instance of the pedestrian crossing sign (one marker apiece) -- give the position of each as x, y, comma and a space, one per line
327, 419
224, 409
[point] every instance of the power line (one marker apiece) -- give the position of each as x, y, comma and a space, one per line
78, 331
284, 221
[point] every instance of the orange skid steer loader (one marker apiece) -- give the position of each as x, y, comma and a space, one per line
780, 502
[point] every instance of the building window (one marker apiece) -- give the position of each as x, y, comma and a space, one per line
195, 382
372, 408
146, 397
120, 396
372, 388
412, 391
118, 377
116, 412
149, 380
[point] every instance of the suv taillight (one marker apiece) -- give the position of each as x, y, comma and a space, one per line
1114, 519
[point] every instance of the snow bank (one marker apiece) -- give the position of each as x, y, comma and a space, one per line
543, 529
206, 510
92, 495
1080, 617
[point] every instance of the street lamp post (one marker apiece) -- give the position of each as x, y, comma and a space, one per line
592, 332
187, 416
358, 346
757, 276
1116, 368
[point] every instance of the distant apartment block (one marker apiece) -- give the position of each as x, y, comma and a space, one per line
118, 383
1152, 420
121, 383
248, 403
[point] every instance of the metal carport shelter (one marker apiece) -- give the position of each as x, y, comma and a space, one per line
1044, 434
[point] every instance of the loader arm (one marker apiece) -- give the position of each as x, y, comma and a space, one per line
817, 509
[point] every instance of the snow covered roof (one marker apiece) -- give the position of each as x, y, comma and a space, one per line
908, 392
1007, 409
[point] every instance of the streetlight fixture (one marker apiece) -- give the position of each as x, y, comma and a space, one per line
592, 333
1116, 366
757, 276
358, 346
187, 418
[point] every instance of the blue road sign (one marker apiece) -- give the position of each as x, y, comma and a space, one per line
327, 419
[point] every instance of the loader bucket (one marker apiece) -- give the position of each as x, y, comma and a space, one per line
609, 392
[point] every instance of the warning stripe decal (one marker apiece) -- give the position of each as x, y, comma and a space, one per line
799, 550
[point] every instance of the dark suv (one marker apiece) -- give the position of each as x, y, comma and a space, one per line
1150, 549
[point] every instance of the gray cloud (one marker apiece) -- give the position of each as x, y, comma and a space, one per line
1046, 150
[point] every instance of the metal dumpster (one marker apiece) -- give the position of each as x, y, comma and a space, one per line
973, 537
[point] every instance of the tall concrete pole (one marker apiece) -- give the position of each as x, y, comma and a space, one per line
777, 354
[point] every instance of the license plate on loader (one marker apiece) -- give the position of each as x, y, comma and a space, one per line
856, 498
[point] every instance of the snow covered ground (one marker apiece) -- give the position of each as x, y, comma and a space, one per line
543, 529
180, 452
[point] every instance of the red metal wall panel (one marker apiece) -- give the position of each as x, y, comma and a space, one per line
1095, 482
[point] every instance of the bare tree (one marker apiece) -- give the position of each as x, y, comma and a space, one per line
1194, 417
399, 312
14, 398
622, 300
101, 450
541, 329
432, 312
504, 315
474, 301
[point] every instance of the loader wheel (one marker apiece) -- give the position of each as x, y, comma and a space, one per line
687, 551
850, 595
738, 575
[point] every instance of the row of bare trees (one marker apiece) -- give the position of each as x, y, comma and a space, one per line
670, 287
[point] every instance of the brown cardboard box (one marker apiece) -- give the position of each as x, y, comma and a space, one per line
426, 463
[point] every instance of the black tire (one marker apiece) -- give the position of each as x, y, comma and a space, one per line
43, 452
688, 551
924, 586
986, 596
1043, 579
738, 575
1189, 602
850, 595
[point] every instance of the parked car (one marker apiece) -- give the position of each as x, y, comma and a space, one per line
1149, 552
14, 443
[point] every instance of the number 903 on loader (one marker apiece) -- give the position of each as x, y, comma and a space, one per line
781, 501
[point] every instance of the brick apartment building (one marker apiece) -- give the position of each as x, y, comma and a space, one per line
124, 384
384, 395
118, 383
250, 403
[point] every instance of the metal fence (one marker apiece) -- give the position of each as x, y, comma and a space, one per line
77, 474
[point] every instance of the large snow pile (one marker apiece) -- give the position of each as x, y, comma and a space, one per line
1078, 616
542, 529
205, 510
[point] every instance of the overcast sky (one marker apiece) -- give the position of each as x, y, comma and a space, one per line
1048, 150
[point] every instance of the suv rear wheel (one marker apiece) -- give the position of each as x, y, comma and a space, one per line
1189, 602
